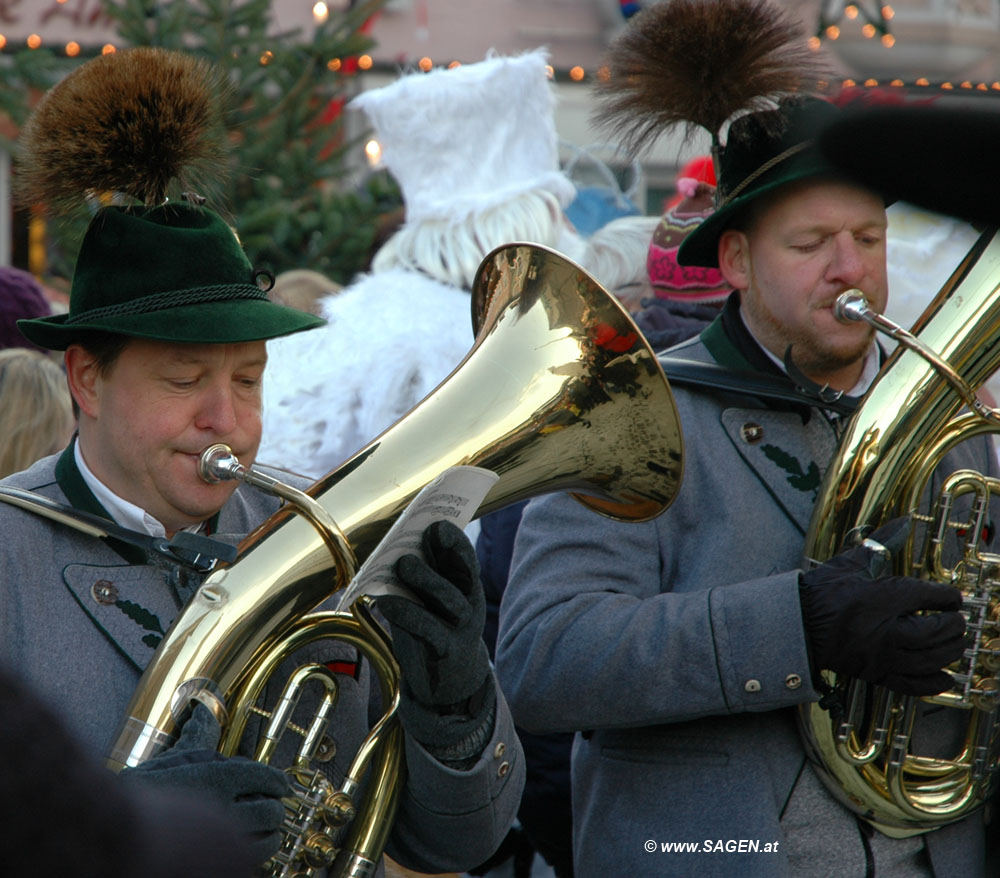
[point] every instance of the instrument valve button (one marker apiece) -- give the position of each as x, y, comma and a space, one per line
503, 768
752, 686
751, 433
499, 750
340, 809
793, 681
104, 591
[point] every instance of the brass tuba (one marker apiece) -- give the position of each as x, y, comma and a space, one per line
910, 418
559, 392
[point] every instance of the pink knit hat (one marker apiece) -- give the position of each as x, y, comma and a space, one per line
689, 283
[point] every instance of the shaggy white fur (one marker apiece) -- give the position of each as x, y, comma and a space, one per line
391, 338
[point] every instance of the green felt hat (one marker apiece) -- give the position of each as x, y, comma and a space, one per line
764, 150
174, 272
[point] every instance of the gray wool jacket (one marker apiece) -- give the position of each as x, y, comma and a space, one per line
675, 649
79, 621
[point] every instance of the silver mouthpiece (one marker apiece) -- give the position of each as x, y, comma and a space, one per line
217, 463
851, 307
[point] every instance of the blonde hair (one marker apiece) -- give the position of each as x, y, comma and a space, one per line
302, 288
36, 415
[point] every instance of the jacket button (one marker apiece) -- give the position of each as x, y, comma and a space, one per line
503, 769
793, 681
104, 591
751, 433
752, 686
499, 750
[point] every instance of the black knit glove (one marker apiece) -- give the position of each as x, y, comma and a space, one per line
250, 791
447, 692
864, 624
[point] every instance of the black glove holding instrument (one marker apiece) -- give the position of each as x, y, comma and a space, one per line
448, 699
250, 791
863, 623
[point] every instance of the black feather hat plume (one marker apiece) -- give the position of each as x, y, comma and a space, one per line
699, 63
130, 122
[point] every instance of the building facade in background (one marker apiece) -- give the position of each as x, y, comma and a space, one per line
954, 41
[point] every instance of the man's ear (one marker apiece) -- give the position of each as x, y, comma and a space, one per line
734, 258
82, 376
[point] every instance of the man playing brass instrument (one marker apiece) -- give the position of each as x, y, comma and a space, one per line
680, 650
164, 352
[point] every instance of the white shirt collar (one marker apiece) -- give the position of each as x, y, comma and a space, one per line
121, 510
869, 370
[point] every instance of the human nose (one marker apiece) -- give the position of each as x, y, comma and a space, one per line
217, 410
847, 265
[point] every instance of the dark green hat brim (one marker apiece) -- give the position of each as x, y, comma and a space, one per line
701, 246
224, 322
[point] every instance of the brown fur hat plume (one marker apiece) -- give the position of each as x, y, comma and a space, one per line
129, 122
699, 63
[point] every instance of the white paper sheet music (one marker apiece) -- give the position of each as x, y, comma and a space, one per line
455, 495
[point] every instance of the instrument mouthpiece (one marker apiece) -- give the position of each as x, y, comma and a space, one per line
851, 307
217, 463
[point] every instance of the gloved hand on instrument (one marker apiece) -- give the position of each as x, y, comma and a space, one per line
447, 698
249, 791
863, 623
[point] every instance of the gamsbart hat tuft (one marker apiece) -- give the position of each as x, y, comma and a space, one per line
133, 126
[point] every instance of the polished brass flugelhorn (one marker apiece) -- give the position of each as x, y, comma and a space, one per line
559, 392
923, 404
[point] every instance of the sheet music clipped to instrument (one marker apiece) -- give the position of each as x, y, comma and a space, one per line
455, 495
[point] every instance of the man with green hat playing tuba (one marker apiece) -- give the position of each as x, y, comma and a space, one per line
682, 650
165, 350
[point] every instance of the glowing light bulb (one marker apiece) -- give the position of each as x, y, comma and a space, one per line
333, 65
321, 12
851, 11
868, 30
814, 43
425, 64
888, 40
72, 49
33, 41
108, 49
888, 12
373, 152
576, 74
365, 62
833, 32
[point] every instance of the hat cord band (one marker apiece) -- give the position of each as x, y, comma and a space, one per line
174, 299
764, 168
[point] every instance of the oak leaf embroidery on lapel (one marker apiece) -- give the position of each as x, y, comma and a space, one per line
147, 620
806, 481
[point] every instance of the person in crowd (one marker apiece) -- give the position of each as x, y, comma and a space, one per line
21, 296
165, 348
685, 298
472, 180
104, 829
36, 414
679, 650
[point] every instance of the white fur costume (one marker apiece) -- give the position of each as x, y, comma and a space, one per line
472, 180
391, 338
